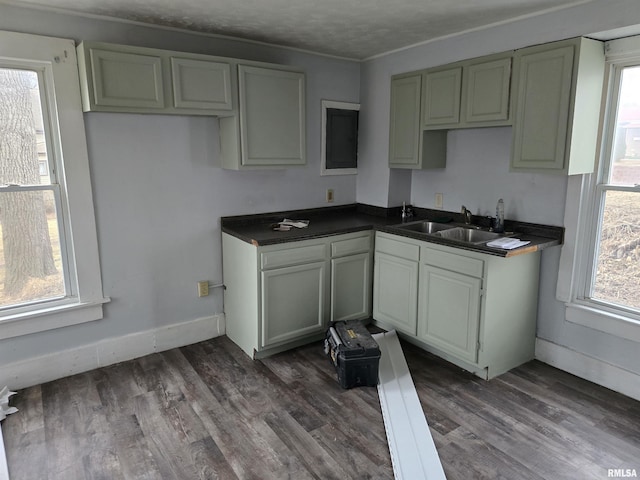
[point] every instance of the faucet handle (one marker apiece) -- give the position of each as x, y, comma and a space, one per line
467, 214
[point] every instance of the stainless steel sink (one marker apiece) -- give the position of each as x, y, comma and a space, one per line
468, 235
425, 227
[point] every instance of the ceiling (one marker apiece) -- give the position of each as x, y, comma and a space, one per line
356, 29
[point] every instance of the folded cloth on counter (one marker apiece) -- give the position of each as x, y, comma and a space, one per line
507, 243
295, 223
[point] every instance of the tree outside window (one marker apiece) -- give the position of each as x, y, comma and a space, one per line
30, 253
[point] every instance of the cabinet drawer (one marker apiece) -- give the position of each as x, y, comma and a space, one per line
293, 256
397, 248
350, 246
453, 262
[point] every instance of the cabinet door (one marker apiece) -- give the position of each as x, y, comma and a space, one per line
272, 117
200, 84
404, 127
126, 79
395, 293
441, 97
486, 91
449, 311
293, 302
543, 100
351, 287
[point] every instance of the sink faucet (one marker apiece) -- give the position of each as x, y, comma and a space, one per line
407, 212
467, 214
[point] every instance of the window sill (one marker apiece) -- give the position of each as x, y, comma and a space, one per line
49, 318
599, 318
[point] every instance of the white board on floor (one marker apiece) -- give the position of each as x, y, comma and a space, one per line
4, 470
413, 452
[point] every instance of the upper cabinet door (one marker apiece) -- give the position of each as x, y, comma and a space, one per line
201, 84
543, 98
404, 127
272, 116
441, 97
486, 91
557, 106
126, 79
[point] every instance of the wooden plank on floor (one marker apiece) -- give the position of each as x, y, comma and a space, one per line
413, 452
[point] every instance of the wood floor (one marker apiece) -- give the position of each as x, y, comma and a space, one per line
208, 411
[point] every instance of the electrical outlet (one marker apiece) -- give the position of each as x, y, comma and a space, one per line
439, 201
330, 195
203, 288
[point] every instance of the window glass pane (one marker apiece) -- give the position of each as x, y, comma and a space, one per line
625, 167
23, 149
618, 263
30, 253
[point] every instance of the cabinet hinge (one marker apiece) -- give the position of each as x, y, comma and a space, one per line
479, 346
482, 292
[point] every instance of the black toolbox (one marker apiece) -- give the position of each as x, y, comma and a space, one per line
354, 353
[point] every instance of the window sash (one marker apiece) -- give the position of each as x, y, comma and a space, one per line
599, 190
53, 147
64, 251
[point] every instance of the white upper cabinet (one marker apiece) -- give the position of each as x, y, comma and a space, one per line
485, 91
272, 118
120, 78
441, 97
410, 146
270, 131
558, 90
261, 106
201, 84
473, 93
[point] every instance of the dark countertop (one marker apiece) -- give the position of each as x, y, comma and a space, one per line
257, 229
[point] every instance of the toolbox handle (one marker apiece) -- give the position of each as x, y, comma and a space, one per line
335, 336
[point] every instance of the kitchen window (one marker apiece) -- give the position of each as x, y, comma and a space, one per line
615, 267
49, 270
599, 274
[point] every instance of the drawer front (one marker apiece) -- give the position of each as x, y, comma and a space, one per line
341, 248
453, 262
293, 256
397, 248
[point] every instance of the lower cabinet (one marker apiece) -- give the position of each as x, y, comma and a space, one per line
475, 310
450, 310
284, 295
395, 284
293, 302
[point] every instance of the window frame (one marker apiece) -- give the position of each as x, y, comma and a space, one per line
55, 61
583, 211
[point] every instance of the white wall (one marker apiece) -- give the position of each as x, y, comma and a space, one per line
477, 171
159, 192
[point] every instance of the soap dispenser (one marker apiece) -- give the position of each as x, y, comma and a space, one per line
499, 226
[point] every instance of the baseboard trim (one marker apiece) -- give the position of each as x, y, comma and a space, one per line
589, 368
45, 368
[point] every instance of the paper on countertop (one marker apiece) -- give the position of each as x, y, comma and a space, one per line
508, 243
295, 223
5, 409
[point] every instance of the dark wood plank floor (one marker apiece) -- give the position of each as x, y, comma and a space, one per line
208, 411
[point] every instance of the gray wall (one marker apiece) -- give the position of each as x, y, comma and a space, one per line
159, 192
477, 171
